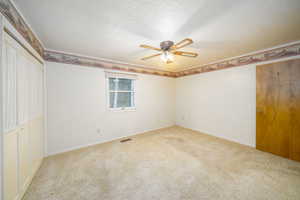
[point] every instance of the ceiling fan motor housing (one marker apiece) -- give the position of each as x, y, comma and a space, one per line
166, 45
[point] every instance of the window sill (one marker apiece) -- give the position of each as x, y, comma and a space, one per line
122, 109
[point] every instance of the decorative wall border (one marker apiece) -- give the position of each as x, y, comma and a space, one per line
267, 55
8, 9
54, 56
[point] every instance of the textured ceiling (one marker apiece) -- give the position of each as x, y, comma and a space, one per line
114, 29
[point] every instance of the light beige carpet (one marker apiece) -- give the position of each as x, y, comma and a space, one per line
168, 164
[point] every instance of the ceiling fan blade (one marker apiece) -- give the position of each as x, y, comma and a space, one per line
148, 57
183, 43
185, 53
149, 47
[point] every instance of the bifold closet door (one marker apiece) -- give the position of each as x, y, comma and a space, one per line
278, 108
10, 137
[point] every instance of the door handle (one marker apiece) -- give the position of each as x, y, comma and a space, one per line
259, 110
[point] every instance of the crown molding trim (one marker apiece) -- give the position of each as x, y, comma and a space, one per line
68, 58
9, 10
282, 51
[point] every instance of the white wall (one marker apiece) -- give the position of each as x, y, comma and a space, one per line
220, 103
76, 104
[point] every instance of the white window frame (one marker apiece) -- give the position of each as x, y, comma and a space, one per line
132, 108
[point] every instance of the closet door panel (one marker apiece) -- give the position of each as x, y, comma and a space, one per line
10, 152
30, 90
9, 87
40, 92
34, 147
22, 88
33, 69
23, 157
41, 138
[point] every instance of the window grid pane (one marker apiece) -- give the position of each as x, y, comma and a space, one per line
124, 100
112, 84
125, 84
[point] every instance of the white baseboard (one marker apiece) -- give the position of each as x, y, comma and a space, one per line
101, 142
218, 136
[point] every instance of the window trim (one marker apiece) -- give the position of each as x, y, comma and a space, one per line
108, 91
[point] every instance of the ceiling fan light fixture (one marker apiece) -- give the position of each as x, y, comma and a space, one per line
167, 56
168, 49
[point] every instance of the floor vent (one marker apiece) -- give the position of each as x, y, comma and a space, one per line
126, 140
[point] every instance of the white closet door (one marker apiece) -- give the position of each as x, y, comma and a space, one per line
9, 87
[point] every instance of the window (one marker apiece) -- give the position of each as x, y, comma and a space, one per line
121, 93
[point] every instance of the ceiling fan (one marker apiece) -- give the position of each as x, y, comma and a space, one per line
168, 49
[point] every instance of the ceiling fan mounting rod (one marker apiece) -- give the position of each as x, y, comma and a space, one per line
166, 45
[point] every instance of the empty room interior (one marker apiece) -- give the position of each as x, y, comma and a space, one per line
150, 100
